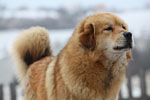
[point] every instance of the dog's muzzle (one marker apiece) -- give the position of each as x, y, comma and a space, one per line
127, 42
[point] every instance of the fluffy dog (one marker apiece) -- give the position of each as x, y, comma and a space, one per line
91, 66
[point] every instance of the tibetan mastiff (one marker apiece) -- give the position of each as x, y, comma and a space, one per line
91, 66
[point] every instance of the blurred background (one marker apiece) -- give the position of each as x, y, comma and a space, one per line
60, 18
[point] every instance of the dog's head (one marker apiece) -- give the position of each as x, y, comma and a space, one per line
107, 33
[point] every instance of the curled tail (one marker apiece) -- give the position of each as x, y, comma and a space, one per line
30, 46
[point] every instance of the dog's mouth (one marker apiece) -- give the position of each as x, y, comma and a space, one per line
127, 46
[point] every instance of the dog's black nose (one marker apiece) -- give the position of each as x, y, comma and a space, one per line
128, 36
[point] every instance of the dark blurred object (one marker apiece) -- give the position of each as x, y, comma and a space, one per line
1, 92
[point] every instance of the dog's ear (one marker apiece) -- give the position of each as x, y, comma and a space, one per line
87, 36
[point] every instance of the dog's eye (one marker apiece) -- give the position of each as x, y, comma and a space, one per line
108, 28
123, 27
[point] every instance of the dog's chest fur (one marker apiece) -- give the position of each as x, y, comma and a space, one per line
84, 80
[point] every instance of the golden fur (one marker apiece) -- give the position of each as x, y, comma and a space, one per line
87, 68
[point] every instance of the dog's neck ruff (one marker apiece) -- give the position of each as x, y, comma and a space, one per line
91, 75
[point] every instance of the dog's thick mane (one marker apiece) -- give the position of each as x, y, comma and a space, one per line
86, 71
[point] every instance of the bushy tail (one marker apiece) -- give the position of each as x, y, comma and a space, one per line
30, 46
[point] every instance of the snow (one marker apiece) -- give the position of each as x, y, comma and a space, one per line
136, 86
56, 37
6, 92
31, 14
